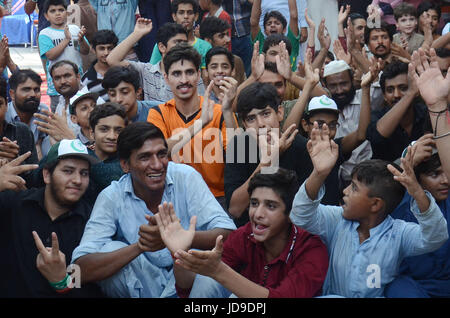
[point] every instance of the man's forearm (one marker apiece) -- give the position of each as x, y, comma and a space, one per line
389, 122
441, 127
300, 82
206, 240
99, 266
297, 111
120, 51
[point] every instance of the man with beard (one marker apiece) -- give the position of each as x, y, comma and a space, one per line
402, 119
54, 213
25, 92
338, 78
379, 41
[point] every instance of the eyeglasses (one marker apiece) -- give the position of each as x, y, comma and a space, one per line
333, 125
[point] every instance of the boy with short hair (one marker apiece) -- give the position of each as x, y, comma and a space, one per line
81, 105
240, 266
214, 9
406, 22
216, 32
104, 41
123, 87
365, 244
60, 41
219, 67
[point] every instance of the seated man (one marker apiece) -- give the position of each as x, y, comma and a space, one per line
268, 257
121, 247
56, 213
366, 244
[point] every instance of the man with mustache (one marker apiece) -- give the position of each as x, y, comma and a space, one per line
379, 41
25, 92
402, 119
338, 79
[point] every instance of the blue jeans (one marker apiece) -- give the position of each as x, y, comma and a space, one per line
243, 48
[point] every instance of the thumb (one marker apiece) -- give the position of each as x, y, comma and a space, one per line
219, 244
192, 223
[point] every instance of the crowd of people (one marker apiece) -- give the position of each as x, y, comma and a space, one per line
224, 148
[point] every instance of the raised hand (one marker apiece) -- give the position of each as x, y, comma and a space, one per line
340, 52
433, 86
143, 26
257, 62
82, 33
343, 14
51, 262
322, 150
67, 33
374, 69
228, 86
8, 149
287, 138
309, 21
172, 233
283, 62
205, 263
9, 173
207, 106
311, 76
423, 148
400, 52
54, 125
324, 36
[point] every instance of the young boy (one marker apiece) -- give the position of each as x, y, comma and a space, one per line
214, 9
103, 43
185, 12
123, 87
60, 41
216, 32
80, 108
219, 67
268, 257
406, 22
425, 275
275, 22
366, 246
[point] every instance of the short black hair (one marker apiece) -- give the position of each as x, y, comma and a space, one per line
218, 50
168, 31
117, 74
354, 16
427, 166
283, 182
392, 70
102, 37
176, 3
3, 85
21, 76
428, 5
49, 3
134, 136
388, 28
106, 110
64, 62
404, 9
211, 26
375, 175
442, 52
182, 51
277, 15
275, 39
257, 95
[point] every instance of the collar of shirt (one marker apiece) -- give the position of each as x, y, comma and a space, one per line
285, 254
38, 197
155, 68
375, 231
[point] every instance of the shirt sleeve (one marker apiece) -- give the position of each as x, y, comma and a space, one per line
315, 218
101, 227
155, 118
45, 44
429, 234
156, 55
306, 277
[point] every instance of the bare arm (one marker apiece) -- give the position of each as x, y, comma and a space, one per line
55, 52
441, 41
142, 27
293, 16
254, 19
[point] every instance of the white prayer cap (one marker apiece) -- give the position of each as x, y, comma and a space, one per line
335, 67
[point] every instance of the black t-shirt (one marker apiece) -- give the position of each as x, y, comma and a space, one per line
20, 214
243, 158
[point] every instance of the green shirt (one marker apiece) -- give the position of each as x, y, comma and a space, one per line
200, 45
295, 42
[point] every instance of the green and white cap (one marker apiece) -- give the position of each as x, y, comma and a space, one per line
321, 103
70, 148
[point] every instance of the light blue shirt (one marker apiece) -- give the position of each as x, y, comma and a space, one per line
118, 213
354, 267
12, 117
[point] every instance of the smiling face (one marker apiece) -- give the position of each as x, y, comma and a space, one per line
68, 182
436, 183
267, 215
218, 68
148, 166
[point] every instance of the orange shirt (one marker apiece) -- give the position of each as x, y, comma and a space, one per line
205, 152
